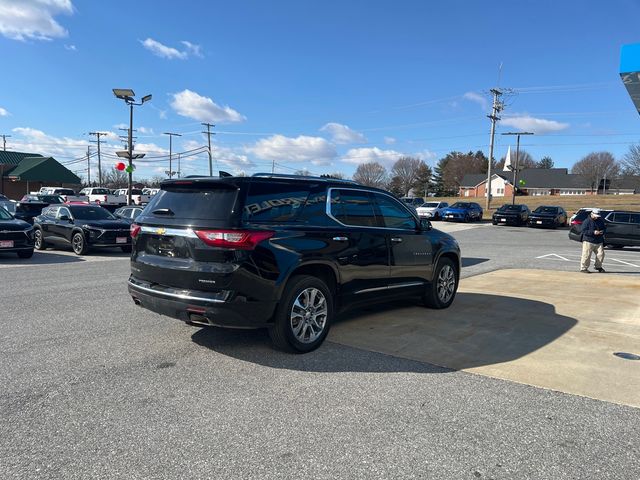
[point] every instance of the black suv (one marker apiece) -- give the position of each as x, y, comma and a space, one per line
622, 228
283, 252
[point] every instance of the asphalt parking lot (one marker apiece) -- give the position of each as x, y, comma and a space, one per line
95, 387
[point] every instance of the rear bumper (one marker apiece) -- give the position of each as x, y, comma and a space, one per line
222, 309
541, 222
508, 220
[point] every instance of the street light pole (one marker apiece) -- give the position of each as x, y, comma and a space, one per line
515, 169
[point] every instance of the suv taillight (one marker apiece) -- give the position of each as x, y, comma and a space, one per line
576, 222
240, 239
134, 229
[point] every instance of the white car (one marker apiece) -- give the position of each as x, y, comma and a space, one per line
432, 210
137, 195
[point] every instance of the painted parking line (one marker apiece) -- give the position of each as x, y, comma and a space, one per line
576, 258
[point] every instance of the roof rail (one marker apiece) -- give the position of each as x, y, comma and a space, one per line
293, 176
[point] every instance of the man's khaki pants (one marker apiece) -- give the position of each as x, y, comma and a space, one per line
589, 248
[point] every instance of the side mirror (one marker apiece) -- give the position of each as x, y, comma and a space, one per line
425, 225
64, 218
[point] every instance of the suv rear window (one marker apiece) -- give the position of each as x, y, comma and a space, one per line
199, 202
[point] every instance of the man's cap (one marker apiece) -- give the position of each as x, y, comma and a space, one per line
595, 212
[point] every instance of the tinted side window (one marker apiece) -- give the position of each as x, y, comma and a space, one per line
394, 215
63, 211
52, 212
274, 202
634, 218
621, 217
353, 207
314, 210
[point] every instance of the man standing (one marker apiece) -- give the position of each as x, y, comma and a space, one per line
592, 241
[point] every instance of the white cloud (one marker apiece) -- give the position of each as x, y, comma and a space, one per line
342, 134
151, 149
477, 98
389, 140
425, 155
315, 150
3, 112
71, 48
190, 104
164, 51
33, 19
145, 130
357, 156
531, 124
36, 141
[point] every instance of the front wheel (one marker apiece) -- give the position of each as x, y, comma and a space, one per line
442, 290
39, 240
303, 316
78, 243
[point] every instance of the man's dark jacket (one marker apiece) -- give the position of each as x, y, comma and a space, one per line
589, 226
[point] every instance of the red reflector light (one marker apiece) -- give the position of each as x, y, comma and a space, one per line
240, 239
134, 229
576, 222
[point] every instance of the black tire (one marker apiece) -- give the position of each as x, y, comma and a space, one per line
442, 290
25, 253
282, 332
126, 248
494, 222
79, 244
39, 243
466, 218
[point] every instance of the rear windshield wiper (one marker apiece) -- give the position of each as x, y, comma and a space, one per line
163, 211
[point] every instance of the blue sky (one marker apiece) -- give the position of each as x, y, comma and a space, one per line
322, 85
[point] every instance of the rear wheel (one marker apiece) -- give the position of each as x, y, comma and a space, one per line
25, 253
79, 245
39, 240
442, 290
466, 218
303, 316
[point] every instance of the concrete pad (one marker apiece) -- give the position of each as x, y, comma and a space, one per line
550, 329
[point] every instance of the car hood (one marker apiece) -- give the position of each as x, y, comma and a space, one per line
456, 210
104, 224
427, 209
508, 213
14, 225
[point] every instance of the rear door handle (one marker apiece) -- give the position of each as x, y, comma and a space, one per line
396, 239
340, 239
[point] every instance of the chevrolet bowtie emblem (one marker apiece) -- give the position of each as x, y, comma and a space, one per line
161, 231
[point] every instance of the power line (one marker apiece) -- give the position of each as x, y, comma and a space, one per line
171, 135
98, 135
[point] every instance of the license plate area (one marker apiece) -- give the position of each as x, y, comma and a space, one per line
6, 243
121, 239
503, 219
539, 222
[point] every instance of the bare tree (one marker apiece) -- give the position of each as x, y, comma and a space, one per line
304, 172
156, 180
115, 178
338, 175
595, 166
371, 175
631, 161
525, 160
404, 174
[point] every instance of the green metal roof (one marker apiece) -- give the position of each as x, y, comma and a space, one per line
14, 158
44, 169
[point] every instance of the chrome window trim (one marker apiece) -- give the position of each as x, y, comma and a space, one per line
390, 287
330, 215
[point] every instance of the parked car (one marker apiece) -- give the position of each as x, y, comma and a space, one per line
27, 209
511, 215
82, 227
8, 205
67, 194
283, 252
463, 212
150, 191
622, 228
137, 197
432, 210
581, 214
16, 236
103, 196
128, 214
413, 202
548, 216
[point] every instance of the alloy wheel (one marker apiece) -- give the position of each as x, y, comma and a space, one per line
446, 283
308, 316
38, 239
77, 243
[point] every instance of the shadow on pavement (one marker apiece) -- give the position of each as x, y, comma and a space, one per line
39, 258
477, 330
471, 261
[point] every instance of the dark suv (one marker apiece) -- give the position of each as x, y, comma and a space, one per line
283, 252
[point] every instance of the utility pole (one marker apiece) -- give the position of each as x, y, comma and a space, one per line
179, 171
88, 165
171, 135
98, 135
209, 133
4, 141
515, 169
497, 108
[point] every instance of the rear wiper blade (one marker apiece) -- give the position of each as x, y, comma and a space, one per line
163, 211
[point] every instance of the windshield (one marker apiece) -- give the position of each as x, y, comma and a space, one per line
546, 210
8, 206
430, 205
91, 213
460, 205
510, 208
100, 191
51, 199
4, 215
